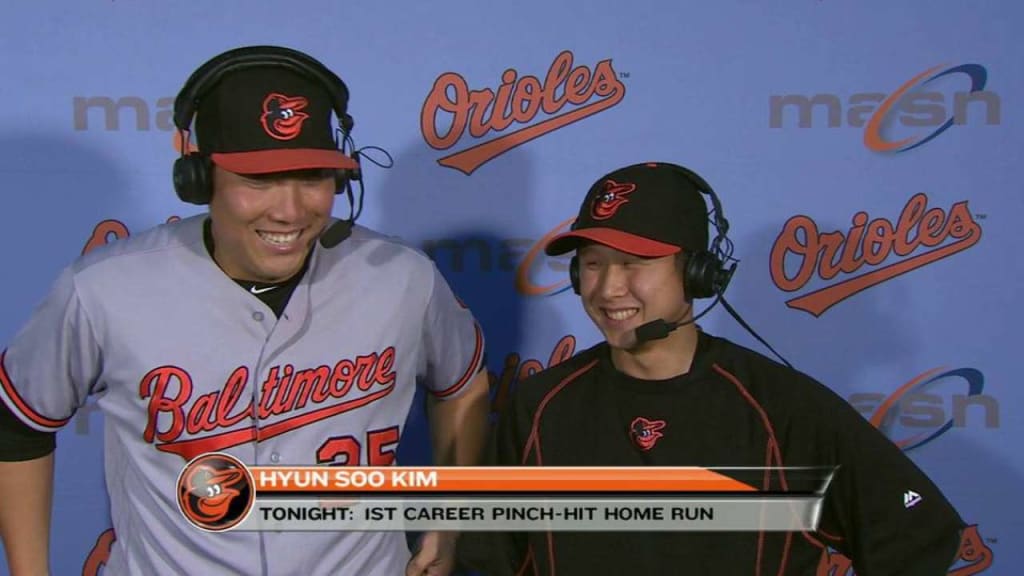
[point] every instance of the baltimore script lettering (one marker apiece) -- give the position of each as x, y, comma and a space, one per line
353, 383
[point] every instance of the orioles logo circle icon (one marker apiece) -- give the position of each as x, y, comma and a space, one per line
215, 492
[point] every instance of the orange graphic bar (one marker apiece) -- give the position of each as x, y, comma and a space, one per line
490, 479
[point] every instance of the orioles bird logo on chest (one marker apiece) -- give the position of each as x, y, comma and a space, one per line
645, 433
608, 202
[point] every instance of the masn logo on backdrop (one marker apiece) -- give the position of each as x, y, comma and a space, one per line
566, 94
871, 252
930, 405
916, 112
536, 274
134, 112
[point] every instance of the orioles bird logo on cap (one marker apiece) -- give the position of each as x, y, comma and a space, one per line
282, 115
608, 202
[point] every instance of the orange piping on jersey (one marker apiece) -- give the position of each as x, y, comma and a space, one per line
20, 405
774, 450
534, 438
785, 554
830, 536
470, 370
551, 553
765, 484
527, 561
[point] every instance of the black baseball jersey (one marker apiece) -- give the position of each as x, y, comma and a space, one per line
734, 408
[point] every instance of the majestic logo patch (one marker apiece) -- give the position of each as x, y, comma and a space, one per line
911, 499
282, 115
608, 202
215, 492
645, 433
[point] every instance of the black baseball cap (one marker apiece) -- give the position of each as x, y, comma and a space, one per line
651, 209
268, 119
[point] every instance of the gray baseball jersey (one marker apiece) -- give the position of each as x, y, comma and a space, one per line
183, 361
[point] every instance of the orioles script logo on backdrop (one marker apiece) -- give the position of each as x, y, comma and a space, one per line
451, 107
516, 369
931, 233
349, 385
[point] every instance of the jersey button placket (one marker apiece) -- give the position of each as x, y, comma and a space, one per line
258, 316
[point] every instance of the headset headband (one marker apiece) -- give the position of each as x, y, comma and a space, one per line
203, 80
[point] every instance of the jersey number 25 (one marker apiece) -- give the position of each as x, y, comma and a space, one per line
347, 451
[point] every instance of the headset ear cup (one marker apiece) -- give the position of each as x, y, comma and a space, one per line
700, 274
343, 176
574, 274
193, 176
181, 178
192, 179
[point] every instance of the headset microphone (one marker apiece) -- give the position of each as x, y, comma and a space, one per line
337, 232
659, 328
655, 330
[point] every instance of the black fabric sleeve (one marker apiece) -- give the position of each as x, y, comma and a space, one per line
881, 510
935, 560
18, 442
499, 553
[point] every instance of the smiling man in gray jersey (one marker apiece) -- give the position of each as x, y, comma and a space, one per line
264, 329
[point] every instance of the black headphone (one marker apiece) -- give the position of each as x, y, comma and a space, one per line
192, 171
706, 274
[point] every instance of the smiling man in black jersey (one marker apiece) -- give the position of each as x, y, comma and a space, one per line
661, 392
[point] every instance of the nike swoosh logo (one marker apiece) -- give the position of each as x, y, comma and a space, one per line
254, 290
